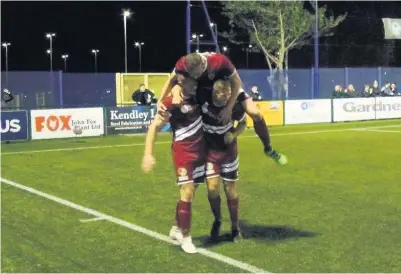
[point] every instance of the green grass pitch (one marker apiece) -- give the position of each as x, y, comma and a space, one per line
335, 207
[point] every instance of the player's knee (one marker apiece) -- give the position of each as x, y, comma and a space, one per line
187, 192
256, 116
213, 187
231, 190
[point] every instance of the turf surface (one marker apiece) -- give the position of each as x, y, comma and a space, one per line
334, 208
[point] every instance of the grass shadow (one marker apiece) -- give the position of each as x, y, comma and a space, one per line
258, 232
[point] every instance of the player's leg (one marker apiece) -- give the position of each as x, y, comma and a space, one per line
229, 174
213, 169
261, 129
175, 232
184, 207
233, 208
213, 187
187, 170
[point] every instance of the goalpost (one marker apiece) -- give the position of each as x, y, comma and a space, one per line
127, 83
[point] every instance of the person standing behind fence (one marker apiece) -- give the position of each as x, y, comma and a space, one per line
338, 92
350, 92
143, 96
386, 90
394, 89
6, 96
367, 91
255, 94
375, 88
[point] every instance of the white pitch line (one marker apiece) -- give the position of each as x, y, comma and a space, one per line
377, 127
150, 233
91, 220
382, 130
169, 142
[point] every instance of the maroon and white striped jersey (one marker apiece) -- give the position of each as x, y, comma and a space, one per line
214, 129
186, 122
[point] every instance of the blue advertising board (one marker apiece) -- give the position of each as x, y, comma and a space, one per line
128, 120
14, 125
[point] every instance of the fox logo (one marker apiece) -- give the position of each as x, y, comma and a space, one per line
53, 123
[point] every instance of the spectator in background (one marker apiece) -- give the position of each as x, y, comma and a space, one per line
255, 94
143, 96
350, 92
386, 90
394, 89
338, 92
367, 91
375, 89
6, 96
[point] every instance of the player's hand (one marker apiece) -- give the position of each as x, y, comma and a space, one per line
161, 108
229, 137
148, 162
225, 115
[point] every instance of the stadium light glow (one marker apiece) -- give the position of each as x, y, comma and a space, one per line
225, 49
48, 51
50, 35
94, 51
139, 44
6, 45
197, 36
127, 13
64, 56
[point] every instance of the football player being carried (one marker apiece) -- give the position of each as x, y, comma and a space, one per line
206, 69
222, 158
188, 153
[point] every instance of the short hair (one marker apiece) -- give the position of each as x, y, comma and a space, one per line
192, 61
221, 89
141, 85
225, 85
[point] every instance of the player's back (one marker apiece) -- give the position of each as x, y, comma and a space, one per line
186, 122
219, 67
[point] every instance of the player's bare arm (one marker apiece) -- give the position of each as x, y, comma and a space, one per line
148, 160
236, 84
238, 130
166, 89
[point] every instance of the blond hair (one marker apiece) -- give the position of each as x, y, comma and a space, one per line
193, 61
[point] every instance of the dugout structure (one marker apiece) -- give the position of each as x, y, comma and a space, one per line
127, 83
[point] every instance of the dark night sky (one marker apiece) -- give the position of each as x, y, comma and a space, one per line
81, 26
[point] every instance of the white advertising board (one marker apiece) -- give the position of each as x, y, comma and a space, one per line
66, 123
388, 107
307, 111
353, 109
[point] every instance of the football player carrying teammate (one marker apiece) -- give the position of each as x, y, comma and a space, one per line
188, 150
205, 69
